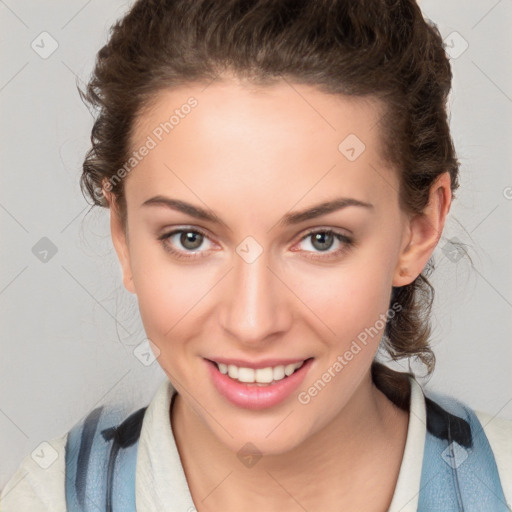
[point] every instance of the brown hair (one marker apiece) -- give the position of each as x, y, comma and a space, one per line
380, 48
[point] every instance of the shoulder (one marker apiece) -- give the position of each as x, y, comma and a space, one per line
499, 434
498, 431
38, 483
481, 437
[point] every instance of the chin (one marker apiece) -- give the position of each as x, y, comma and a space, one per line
273, 436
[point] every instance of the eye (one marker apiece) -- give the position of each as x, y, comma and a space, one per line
189, 239
192, 239
322, 240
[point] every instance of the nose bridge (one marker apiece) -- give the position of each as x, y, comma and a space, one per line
255, 306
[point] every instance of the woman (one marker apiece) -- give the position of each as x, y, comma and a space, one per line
278, 176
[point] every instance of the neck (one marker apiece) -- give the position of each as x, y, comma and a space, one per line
355, 458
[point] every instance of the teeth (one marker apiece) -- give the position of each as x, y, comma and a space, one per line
233, 371
264, 375
260, 375
279, 372
289, 369
245, 374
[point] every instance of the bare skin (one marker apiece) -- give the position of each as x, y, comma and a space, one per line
353, 465
252, 156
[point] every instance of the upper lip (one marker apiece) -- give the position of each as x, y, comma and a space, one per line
265, 363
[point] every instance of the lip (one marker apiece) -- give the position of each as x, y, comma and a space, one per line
265, 363
252, 396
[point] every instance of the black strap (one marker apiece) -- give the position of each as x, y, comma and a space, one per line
445, 425
89, 430
123, 435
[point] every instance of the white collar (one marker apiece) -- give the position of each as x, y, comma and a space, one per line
406, 496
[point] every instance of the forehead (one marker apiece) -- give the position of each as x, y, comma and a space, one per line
285, 141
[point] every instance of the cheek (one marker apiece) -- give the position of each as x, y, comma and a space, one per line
354, 306
348, 298
166, 293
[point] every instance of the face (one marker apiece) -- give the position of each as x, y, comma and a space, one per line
232, 263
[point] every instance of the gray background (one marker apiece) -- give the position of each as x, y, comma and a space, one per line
63, 314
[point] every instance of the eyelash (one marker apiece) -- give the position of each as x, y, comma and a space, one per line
348, 243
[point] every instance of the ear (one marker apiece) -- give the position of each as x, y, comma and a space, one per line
120, 241
423, 232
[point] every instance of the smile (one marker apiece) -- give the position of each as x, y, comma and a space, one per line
257, 388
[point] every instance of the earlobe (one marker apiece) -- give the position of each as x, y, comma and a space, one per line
119, 239
424, 232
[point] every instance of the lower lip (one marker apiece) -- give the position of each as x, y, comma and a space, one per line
252, 396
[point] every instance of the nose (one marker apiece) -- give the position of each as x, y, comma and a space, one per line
256, 306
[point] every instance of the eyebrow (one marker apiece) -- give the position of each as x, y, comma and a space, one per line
288, 219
